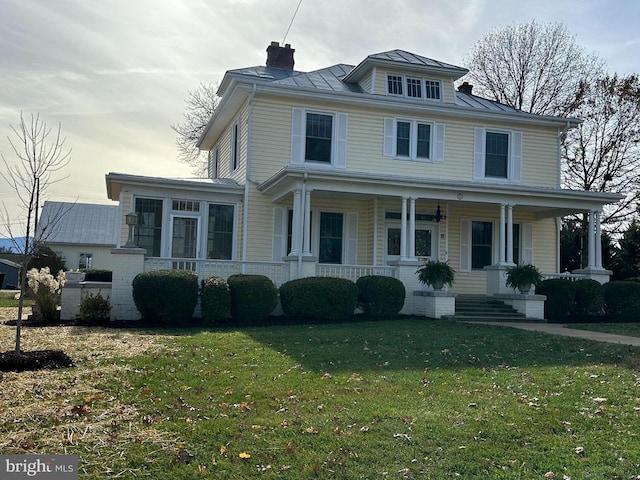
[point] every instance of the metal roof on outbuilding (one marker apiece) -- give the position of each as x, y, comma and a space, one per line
79, 223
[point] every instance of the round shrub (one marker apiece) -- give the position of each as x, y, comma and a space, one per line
560, 295
95, 275
166, 296
589, 298
253, 298
215, 299
622, 301
319, 298
380, 296
94, 309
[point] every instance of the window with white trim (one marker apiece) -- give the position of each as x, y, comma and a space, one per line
413, 139
319, 137
214, 158
220, 230
235, 147
85, 261
414, 87
497, 155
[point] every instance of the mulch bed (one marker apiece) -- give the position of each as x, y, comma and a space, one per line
34, 360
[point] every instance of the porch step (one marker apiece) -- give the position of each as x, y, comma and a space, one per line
481, 308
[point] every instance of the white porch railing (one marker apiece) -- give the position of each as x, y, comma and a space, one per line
278, 272
571, 277
353, 272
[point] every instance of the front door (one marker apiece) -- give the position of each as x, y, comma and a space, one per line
426, 241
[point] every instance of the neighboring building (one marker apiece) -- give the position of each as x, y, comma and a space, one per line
352, 170
83, 234
9, 273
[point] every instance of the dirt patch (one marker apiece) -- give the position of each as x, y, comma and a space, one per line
34, 360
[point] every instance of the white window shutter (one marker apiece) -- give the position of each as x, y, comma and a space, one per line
351, 241
527, 243
478, 153
438, 151
465, 245
516, 157
340, 160
388, 148
279, 233
297, 135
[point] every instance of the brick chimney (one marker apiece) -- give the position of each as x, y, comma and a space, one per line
466, 87
280, 57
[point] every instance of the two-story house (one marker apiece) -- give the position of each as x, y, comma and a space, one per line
355, 170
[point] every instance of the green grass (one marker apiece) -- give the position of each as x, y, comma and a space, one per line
391, 399
7, 300
629, 329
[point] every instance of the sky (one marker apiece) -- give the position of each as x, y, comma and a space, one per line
114, 74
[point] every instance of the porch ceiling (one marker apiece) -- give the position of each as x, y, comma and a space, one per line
543, 202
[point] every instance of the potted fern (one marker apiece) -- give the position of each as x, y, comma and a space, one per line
522, 277
436, 274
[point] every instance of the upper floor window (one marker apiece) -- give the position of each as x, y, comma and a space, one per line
414, 139
235, 146
497, 155
214, 158
416, 87
318, 137
394, 84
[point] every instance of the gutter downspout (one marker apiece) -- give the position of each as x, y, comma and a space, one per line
245, 212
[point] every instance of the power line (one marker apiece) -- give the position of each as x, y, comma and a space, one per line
292, 19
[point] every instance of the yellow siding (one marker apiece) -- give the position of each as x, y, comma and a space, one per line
365, 83
260, 226
224, 146
271, 145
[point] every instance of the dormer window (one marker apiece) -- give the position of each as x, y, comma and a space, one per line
394, 84
413, 87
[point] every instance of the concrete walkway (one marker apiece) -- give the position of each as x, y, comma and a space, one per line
558, 329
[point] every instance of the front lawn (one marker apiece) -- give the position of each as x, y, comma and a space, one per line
8, 300
392, 399
629, 329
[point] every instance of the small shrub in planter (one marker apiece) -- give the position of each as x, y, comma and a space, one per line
319, 298
622, 301
95, 309
253, 298
436, 274
380, 296
523, 277
166, 297
589, 299
95, 275
560, 295
215, 299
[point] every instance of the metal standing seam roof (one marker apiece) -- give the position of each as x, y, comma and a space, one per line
79, 223
402, 56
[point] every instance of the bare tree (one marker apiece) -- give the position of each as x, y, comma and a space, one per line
537, 68
200, 105
40, 154
603, 153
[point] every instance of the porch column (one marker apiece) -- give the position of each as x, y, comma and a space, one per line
412, 228
598, 241
296, 230
502, 243
403, 229
510, 234
306, 245
591, 241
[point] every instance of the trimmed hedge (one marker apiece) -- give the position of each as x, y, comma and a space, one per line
215, 299
380, 296
166, 296
622, 301
319, 298
95, 309
95, 275
560, 295
253, 298
589, 299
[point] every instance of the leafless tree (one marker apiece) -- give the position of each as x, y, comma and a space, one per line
200, 105
40, 155
603, 153
537, 68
